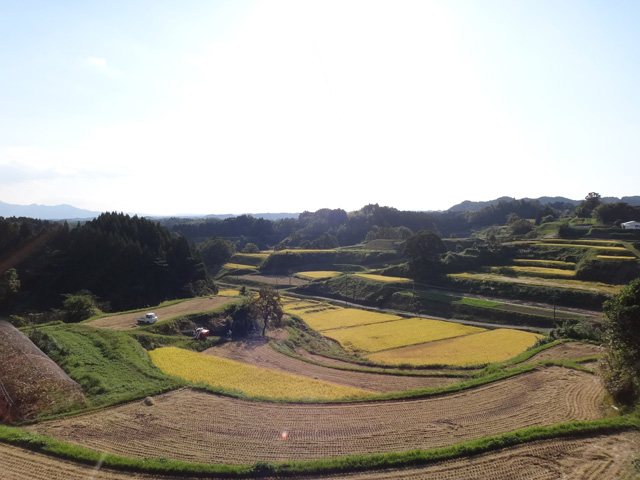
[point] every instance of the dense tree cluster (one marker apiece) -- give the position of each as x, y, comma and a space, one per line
125, 261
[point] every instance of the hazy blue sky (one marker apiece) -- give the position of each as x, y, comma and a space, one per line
204, 106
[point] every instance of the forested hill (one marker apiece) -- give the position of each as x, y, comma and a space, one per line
328, 228
126, 261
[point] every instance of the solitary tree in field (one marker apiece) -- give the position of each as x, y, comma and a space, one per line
268, 305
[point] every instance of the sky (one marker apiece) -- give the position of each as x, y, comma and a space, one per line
214, 106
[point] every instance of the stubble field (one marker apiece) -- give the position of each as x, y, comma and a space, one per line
196, 426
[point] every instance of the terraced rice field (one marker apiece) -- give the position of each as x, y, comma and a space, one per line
477, 349
569, 351
127, 321
383, 278
259, 353
601, 457
399, 333
212, 428
555, 283
248, 379
338, 317
319, 274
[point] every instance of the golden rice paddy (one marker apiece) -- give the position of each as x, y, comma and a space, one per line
319, 274
248, 379
383, 278
239, 266
560, 272
400, 333
485, 347
338, 317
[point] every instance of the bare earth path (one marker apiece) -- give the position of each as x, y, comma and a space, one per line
197, 426
127, 321
258, 352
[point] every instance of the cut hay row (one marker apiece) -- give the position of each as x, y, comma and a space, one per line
259, 353
618, 258
214, 429
598, 457
477, 349
399, 333
127, 321
248, 379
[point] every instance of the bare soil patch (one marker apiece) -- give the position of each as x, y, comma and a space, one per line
602, 457
127, 321
258, 352
197, 426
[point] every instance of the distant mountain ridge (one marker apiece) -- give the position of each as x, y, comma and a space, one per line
69, 212
46, 212
472, 206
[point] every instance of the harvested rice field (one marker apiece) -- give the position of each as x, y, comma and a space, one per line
212, 428
601, 457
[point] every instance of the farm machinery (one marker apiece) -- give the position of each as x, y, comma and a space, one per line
200, 333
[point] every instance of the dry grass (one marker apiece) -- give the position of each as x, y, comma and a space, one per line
485, 347
249, 379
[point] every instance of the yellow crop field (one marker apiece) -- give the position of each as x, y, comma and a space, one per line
228, 292
337, 317
485, 347
382, 278
315, 275
533, 261
249, 379
616, 257
240, 266
399, 333
540, 271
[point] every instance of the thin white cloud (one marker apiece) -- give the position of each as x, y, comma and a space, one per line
98, 62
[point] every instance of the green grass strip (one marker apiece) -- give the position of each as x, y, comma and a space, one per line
413, 458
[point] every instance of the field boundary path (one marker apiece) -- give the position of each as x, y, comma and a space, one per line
127, 321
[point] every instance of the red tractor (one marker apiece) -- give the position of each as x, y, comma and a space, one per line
200, 333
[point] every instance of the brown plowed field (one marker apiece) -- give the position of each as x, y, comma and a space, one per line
603, 457
127, 321
258, 352
196, 426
